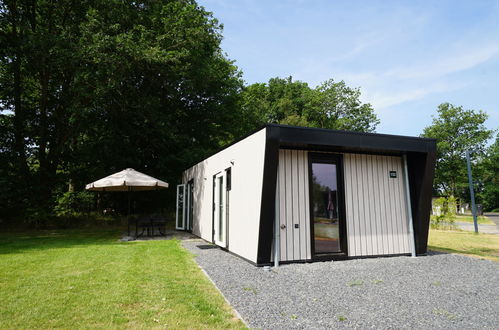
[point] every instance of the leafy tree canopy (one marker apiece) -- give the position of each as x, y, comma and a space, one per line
456, 130
331, 105
90, 87
489, 170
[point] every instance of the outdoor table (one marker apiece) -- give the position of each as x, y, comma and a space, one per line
148, 224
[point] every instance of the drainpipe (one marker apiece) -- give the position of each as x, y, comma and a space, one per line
409, 208
277, 237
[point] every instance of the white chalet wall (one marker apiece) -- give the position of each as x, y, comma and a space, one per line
244, 197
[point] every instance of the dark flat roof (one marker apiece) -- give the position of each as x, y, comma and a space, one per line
290, 136
341, 141
343, 131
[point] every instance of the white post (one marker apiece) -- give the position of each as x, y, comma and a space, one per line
409, 208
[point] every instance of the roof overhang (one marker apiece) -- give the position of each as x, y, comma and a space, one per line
326, 139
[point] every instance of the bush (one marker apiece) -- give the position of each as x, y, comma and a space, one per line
74, 210
36, 217
444, 213
79, 220
74, 203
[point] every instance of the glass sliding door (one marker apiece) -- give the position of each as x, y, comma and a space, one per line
190, 205
327, 204
219, 209
181, 208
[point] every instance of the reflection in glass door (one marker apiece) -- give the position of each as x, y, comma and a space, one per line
326, 206
190, 205
219, 210
181, 208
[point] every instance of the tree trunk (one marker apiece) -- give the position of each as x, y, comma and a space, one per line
19, 116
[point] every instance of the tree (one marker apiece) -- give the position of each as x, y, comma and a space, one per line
489, 166
337, 106
90, 87
274, 102
331, 105
456, 130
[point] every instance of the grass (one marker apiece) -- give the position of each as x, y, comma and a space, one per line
355, 283
469, 218
480, 245
87, 279
341, 318
443, 312
252, 290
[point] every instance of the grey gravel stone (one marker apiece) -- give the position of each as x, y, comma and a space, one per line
439, 291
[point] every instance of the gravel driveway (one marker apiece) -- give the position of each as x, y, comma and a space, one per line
436, 291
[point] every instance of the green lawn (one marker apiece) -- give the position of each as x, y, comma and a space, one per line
478, 245
87, 279
469, 218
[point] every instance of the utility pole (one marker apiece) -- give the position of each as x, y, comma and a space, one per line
472, 191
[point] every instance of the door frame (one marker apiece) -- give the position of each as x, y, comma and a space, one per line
222, 174
189, 213
329, 158
184, 207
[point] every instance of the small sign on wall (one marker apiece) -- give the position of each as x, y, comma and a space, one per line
393, 174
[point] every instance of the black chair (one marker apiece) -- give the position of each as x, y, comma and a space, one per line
144, 224
158, 222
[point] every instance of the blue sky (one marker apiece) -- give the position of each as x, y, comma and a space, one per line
406, 56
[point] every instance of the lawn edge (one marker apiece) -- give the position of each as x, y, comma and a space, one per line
450, 251
234, 310
487, 221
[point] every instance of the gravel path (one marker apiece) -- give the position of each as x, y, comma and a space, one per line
442, 291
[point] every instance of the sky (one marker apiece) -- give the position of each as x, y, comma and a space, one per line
407, 57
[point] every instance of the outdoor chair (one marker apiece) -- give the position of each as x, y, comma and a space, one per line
144, 225
158, 222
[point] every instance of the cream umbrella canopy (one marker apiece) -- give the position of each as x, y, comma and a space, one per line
127, 180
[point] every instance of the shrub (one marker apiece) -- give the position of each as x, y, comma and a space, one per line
74, 203
444, 213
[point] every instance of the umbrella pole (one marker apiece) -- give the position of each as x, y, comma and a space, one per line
129, 212
136, 225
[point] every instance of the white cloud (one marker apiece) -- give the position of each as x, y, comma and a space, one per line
456, 61
386, 88
384, 99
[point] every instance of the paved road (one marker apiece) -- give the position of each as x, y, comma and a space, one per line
439, 291
493, 216
488, 229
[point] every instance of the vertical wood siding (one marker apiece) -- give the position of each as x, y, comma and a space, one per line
293, 194
375, 205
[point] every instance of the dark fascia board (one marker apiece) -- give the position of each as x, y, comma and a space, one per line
297, 136
355, 141
343, 131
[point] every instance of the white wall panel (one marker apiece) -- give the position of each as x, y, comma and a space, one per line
293, 192
244, 198
375, 205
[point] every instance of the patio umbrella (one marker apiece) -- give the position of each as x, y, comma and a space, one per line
127, 180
